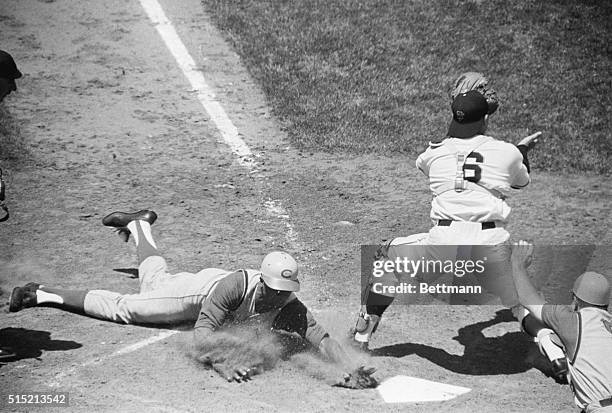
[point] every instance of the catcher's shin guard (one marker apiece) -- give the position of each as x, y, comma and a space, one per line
365, 326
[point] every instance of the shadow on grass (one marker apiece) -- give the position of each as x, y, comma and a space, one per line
510, 353
31, 343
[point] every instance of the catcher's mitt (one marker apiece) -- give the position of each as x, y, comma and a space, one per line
360, 378
475, 81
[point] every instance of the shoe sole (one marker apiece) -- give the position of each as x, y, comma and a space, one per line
13, 307
122, 219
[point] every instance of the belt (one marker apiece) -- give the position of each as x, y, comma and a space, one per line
448, 222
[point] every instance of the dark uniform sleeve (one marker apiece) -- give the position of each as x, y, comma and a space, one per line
523, 149
566, 323
294, 317
227, 296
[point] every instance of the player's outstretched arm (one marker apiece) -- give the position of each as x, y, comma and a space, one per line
359, 377
525, 145
528, 295
530, 141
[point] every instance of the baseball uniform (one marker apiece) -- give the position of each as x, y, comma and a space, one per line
470, 180
587, 337
210, 298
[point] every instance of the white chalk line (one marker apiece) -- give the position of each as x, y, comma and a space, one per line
230, 136
215, 111
275, 208
61, 376
195, 77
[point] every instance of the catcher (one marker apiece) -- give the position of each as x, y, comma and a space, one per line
470, 176
210, 298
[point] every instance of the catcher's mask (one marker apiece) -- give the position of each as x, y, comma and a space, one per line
279, 271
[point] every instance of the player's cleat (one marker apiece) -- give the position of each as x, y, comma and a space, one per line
7, 354
560, 370
23, 297
120, 220
365, 326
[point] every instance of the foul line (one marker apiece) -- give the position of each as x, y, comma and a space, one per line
215, 111
196, 79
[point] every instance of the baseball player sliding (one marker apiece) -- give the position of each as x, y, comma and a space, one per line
470, 176
209, 298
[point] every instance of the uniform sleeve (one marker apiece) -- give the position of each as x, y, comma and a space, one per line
566, 323
227, 296
421, 164
294, 317
519, 173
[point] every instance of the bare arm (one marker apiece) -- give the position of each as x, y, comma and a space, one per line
527, 293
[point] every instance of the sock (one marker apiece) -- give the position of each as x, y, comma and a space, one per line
69, 300
145, 245
376, 304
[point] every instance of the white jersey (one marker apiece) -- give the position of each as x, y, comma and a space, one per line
491, 168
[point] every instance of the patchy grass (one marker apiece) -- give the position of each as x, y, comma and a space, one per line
370, 75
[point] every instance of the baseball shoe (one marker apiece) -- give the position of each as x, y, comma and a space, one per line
23, 297
559, 371
120, 221
7, 354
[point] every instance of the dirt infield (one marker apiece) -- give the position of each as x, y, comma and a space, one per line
111, 123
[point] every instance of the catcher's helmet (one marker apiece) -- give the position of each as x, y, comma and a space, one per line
280, 271
592, 288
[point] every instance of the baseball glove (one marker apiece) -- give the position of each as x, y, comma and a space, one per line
475, 81
360, 378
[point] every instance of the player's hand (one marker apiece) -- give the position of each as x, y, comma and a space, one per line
522, 253
238, 374
530, 141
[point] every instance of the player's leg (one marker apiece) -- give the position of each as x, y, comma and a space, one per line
152, 268
177, 301
376, 294
163, 299
36, 295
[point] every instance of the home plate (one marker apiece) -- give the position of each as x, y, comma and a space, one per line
406, 389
